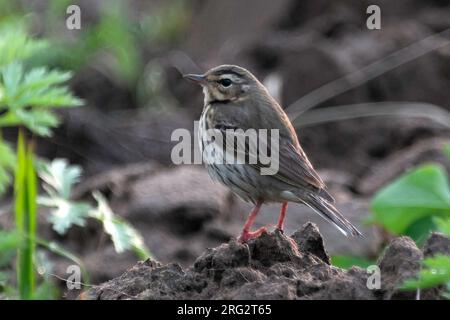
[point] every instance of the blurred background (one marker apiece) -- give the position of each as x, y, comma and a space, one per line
372, 104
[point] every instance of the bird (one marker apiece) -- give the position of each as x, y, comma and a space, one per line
236, 101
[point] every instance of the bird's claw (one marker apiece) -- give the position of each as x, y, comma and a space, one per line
247, 235
294, 244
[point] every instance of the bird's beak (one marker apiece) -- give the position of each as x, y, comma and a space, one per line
198, 78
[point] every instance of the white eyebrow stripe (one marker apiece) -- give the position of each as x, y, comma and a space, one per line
231, 77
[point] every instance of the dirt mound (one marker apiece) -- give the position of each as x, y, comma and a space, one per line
272, 266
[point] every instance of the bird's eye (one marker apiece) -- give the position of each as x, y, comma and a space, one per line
225, 82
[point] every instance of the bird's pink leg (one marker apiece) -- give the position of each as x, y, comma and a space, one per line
280, 225
246, 233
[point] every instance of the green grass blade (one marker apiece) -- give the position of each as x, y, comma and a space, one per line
19, 215
31, 214
25, 216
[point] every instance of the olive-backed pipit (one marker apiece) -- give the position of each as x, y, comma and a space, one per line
236, 101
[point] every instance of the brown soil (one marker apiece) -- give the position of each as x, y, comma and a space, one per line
272, 266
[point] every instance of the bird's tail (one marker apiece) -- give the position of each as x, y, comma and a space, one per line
329, 212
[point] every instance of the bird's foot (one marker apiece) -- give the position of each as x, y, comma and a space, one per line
247, 235
280, 229
294, 244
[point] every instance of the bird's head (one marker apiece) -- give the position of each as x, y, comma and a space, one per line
226, 83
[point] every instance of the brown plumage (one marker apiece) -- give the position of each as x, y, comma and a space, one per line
236, 101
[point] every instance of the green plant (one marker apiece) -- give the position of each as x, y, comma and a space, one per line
415, 204
25, 216
409, 204
348, 261
59, 179
436, 269
436, 272
114, 39
27, 100
123, 235
15, 44
28, 97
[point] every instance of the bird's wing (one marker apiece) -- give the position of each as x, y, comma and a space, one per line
294, 167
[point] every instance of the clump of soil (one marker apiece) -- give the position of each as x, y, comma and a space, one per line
273, 266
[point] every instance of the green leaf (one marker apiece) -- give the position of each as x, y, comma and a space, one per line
38, 121
52, 97
420, 229
443, 225
436, 272
37, 88
12, 75
28, 96
41, 77
415, 195
16, 45
123, 235
65, 213
60, 176
346, 262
